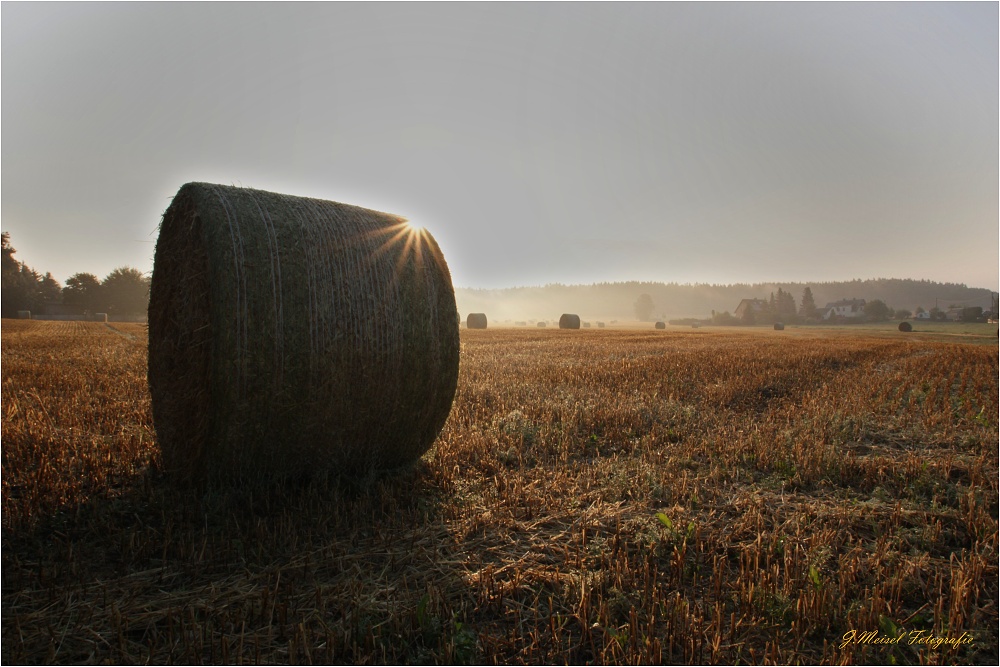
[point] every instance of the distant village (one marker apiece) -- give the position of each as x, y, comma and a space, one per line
752, 311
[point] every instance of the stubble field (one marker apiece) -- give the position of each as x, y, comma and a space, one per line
595, 497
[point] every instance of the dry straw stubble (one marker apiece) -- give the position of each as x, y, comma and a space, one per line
289, 334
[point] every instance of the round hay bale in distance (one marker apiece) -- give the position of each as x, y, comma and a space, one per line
289, 335
569, 321
600, 325
541, 324
24, 314
778, 326
586, 325
100, 317
905, 327
661, 325
476, 321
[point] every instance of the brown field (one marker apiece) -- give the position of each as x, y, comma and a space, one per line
595, 497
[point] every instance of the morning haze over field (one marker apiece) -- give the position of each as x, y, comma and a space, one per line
539, 143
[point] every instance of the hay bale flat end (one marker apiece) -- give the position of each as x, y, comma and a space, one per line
569, 321
476, 321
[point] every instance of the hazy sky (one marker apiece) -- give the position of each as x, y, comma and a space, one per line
539, 143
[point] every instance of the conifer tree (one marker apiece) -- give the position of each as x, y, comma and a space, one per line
808, 307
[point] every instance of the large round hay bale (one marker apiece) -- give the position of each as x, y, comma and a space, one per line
661, 325
905, 327
476, 321
569, 321
778, 326
100, 317
290, 335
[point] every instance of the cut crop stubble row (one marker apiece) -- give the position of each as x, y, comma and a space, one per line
599, 496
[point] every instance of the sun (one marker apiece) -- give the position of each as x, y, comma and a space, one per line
409, 241
413, 227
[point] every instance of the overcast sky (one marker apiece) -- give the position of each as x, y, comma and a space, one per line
539, 143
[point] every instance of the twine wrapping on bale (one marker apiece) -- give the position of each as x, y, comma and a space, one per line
290, 335
476, 321
660, 325
569, 321
905, 327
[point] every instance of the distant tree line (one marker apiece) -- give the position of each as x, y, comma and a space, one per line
673, 300
123, 293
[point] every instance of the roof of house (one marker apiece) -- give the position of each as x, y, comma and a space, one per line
755, 303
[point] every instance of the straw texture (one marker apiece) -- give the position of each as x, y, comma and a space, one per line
288, 335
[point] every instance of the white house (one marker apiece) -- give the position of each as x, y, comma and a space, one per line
844, 308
